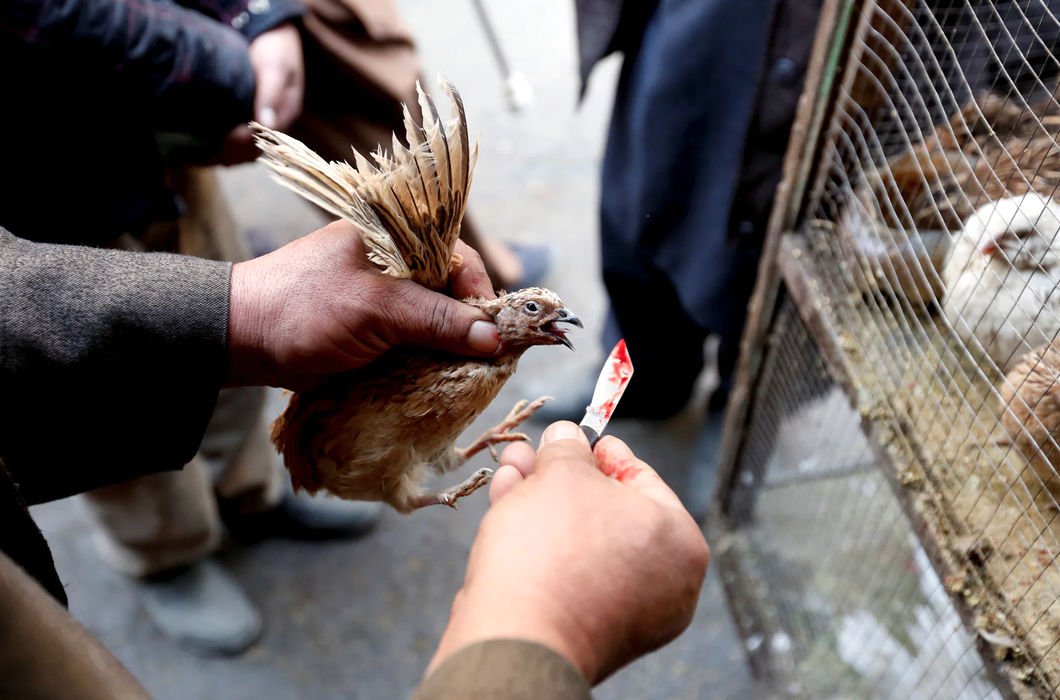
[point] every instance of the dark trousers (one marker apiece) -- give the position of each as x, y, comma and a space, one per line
675, 267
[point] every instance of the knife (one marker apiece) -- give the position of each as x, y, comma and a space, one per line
609, 387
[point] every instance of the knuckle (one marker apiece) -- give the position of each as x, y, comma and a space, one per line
472, 259
442, 316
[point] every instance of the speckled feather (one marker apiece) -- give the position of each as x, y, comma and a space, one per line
1031, 395
409, 203
377, 432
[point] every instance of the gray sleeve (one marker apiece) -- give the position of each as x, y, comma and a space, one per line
110, 362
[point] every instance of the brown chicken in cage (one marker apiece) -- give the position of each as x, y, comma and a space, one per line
1031, 397
375, 433
899, 215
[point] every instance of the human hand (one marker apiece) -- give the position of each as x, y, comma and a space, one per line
279, 72
318, 306
597, 560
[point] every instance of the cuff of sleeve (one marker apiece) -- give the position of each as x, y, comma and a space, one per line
504, 668
259, 16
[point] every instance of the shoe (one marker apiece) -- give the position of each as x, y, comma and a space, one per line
703, 474
304, 517
202, 609
535, 260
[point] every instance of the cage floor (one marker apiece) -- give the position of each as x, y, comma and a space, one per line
852, 605
931, 407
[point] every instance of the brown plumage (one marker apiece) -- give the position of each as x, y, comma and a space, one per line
895, 217
377, 432
1031, 394
995, 147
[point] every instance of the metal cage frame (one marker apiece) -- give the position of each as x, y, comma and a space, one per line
787, 275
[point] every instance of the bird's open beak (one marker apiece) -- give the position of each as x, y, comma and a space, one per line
563, 315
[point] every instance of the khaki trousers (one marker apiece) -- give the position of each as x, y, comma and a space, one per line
360, 66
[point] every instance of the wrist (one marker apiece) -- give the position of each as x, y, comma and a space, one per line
279, 13
477, 619
246, 340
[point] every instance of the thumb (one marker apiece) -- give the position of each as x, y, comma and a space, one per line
267, 98
416, 315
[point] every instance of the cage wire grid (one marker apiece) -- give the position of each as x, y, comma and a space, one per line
889, 525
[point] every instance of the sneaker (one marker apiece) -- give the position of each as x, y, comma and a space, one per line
202, 609
304, 517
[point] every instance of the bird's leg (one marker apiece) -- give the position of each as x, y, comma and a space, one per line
449, 496
502, 432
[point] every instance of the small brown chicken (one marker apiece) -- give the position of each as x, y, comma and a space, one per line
376, 433
1031, 394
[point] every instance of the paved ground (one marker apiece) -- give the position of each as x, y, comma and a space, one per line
360, 619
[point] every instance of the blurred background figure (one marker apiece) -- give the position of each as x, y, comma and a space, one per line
702, 112
156, 90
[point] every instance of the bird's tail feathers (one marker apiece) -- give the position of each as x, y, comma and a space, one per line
331, 186
409, 202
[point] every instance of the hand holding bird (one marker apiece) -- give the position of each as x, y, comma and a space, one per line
375, 433
321, 286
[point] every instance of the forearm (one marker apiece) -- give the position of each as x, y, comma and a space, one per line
110, 362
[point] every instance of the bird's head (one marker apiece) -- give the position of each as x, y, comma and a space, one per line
1020, 229
529, 317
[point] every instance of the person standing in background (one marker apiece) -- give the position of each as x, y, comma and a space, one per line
703, 108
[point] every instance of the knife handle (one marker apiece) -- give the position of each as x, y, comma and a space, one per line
591, 434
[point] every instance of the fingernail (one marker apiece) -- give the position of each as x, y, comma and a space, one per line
563, 430
268, 117
483, 337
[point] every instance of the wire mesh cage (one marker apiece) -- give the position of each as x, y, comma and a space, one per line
886, 517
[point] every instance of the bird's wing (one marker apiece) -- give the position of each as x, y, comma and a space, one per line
409, 202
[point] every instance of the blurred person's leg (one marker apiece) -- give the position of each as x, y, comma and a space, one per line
163, 528
677, 263
361, 65
170, 519
157, 522
665, 345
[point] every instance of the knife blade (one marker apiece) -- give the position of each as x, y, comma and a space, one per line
610, 384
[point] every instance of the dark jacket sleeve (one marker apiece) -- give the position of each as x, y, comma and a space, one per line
504, 669
251, 17
195, 71
110, 362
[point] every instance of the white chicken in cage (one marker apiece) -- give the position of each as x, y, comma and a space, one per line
1001, 277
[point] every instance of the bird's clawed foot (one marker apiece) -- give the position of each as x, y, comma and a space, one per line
502, 432
449, 496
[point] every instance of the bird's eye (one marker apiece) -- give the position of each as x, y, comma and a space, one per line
531, 307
